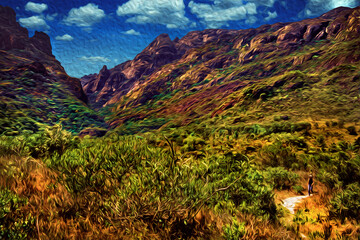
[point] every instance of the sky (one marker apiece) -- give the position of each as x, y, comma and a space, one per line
87, 34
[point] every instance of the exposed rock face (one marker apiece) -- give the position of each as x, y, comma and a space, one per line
12, 35
160, 52
110, 85
119, 80
36, 52
41, 41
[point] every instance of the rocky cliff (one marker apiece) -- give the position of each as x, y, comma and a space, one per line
16, 44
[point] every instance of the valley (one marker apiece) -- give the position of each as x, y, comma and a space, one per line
200, 137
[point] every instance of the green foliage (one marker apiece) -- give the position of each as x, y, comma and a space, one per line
192, 143
13, 225
145, 125
32, 100
298, 189
48, 141
346, 204
278, 154
280, 178
348, 169
140, 181
331, 180
235, 230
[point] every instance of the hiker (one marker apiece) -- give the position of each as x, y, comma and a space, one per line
310, 184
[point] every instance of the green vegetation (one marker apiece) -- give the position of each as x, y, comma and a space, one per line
128, 181
30, 101
187, 183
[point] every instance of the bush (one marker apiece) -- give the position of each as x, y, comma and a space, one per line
280, 178
13, 224
346, 204
352, 130
235, 230
298, 189
49, 141
192, 143
278, 155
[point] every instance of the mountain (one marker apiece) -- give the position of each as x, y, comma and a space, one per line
299, 70
109, 86
34, 87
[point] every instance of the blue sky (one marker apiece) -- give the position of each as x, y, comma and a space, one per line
87, 34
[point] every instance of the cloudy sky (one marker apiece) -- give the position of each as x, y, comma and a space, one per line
87, 34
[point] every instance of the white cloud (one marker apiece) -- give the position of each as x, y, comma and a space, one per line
266, 3
271, 15
87, 29
84, 16
218, 14
94, 59
65, 37
251, 20
315, 8
132, 32
51, 17
34, 22
36, 7
165, 12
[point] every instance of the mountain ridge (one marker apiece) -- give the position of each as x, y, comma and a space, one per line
230, 61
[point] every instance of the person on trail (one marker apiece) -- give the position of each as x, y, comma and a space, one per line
310, 184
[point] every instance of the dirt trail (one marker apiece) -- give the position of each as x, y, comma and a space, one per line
290, 204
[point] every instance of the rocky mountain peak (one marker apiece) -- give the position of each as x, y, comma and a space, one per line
7, 16
103, 70
41, 41
332, 14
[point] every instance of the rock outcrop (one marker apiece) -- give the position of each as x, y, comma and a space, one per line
36, 51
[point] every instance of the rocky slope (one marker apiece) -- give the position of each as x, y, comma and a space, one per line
16, 45
34, 87
217, 72
111, 84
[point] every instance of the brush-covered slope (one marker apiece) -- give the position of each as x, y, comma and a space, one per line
34, 87
299, 71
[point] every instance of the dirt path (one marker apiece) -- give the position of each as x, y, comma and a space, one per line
290, 204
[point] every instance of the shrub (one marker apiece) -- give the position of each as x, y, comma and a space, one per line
13, 224
192, 143
331, 180
280, 178
235, 230
352, 130
298, 189
346, 204
278, 154
45, 143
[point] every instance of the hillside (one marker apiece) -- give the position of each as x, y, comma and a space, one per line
34, 87
304, 70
